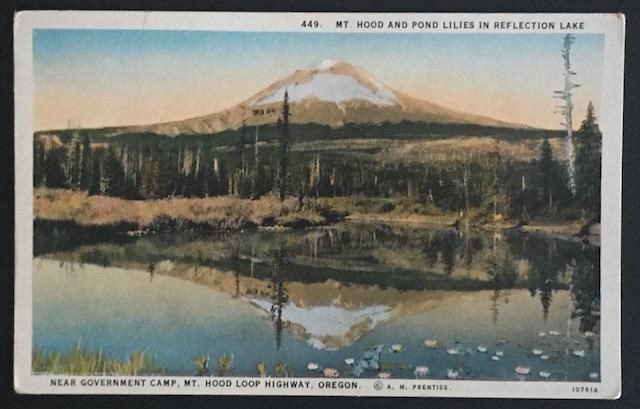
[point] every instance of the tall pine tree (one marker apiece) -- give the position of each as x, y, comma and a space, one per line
113, 175
39, 163
283, 147
588, 163
96, 172
149, 187
85, 164
547, 174
54, 177
240, 148
75, 165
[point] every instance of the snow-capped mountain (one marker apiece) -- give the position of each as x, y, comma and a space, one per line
332, 93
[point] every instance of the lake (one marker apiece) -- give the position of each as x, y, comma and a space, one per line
486, 302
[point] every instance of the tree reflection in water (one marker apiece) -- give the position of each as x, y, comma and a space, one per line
279, 296
405, 258
503, 275
585, 289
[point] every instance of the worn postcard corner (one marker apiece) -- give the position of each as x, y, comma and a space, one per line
318, 204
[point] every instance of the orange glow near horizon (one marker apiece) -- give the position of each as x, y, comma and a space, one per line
101, 80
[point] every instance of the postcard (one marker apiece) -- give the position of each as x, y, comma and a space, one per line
322, 204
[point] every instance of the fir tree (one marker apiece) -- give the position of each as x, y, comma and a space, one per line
39, 164
96, 173
75, 165
547, 173
149, 187
589, 123
588, 162
85, 165
113, 175
240, 148
223, 181
54, 172
283, 147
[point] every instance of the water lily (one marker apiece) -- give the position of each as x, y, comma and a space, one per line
396, 348
522, 370
312, 366
544, 374
495, 358
452, 351
482, 348
579, 353
330, 373
384, 375
421, 371
544, 357
349, 361
554, 332
593, 375
588, 334
537, 351
542, 334
431, 343
499, 353
451, 374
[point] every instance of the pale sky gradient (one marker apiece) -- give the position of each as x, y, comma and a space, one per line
130, 77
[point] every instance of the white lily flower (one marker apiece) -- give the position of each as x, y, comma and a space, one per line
593, 375
384, 375
554, 332
330, 373
349, 361
451, 374
421, 371
495, 358
522, 370
544, 374
312, 366
499, 353
482, 348
542, 334
396, 347
579, 353
544, 357
431, 343
452, 351
537, 351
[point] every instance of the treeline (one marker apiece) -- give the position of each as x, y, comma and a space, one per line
249, 168
311, 131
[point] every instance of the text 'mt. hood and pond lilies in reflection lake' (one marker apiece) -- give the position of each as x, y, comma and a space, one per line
351, 300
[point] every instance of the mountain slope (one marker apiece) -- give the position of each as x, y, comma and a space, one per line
332, 93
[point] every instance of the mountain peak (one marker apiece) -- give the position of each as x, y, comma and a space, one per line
331, 92
330, 81
326, 64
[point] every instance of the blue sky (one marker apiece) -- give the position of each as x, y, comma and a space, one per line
118, 77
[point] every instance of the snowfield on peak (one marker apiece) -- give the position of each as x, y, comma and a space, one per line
333, 88
326, 64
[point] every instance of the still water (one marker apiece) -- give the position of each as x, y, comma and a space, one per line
486, 302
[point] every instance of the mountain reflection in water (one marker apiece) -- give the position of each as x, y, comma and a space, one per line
330, 287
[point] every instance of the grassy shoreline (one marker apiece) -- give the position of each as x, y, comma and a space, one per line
178, 214
232, 213
81, 361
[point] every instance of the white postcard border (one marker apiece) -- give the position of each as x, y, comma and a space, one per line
611, 25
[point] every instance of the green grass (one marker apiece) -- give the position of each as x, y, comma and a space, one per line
80, 361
